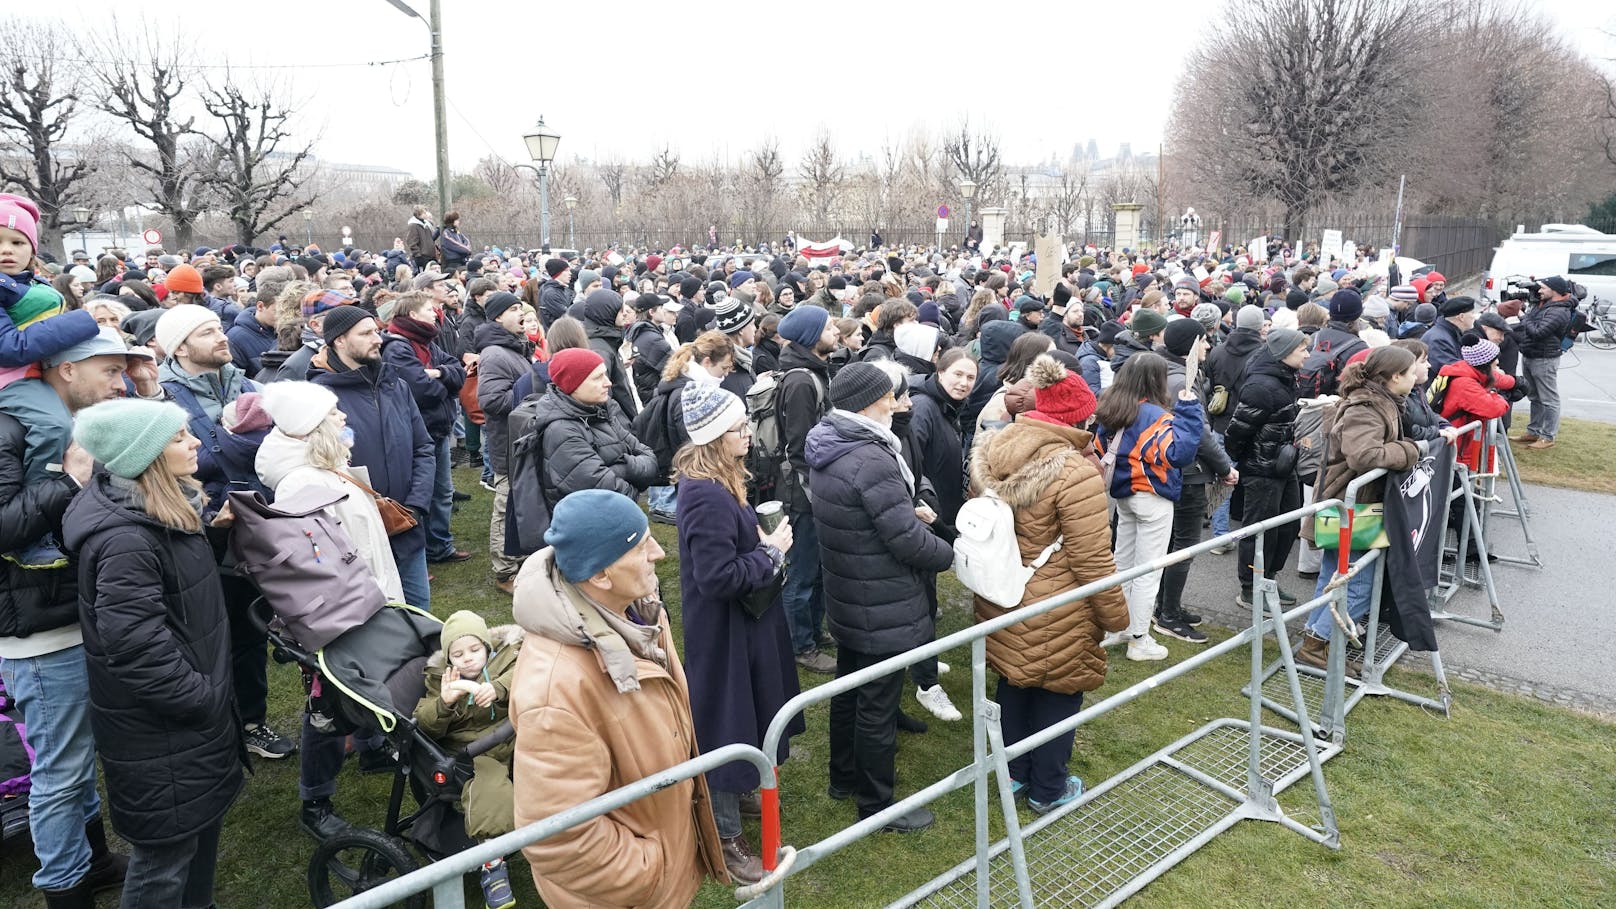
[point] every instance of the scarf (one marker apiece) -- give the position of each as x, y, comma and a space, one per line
419, 334
620, 640
858, 425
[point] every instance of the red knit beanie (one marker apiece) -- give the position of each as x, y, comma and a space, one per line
1061, 395
570, 367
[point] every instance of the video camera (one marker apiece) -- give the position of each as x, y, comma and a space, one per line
1527, 290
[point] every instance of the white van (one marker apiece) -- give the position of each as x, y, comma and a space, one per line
1581, 254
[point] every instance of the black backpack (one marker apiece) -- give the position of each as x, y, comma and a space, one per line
1321, 371
654, 425
527, 511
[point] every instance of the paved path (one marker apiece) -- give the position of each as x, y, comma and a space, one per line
1587, 384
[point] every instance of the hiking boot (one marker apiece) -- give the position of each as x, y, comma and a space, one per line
1287, 600
266, 742
39, 554
1074, 790
1144, 649
1243, 598
78, 896
321, 821
752, 804
1315, 651
739, 860
506, 586
1541, 444
837, 794
377, 760
935, 699
817, 661
913, 822
911, 725
453, 555
496, 884
1175, 627
107, 868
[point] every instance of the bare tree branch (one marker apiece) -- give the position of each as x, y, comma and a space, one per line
253, 174
39, 103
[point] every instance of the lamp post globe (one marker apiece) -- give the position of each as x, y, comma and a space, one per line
541, 147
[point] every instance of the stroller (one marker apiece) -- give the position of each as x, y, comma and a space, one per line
369, 680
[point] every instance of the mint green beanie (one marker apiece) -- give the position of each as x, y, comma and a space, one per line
127, 434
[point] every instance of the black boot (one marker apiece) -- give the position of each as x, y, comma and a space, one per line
107, 868
78, 896
321, 821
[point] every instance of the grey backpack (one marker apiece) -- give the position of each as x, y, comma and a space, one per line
304, 563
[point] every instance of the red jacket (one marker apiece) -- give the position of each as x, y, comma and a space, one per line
1472, 396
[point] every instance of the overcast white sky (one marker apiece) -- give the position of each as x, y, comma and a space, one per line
623, 78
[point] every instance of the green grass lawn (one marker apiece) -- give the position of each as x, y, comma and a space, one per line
1509, 803
1580, 458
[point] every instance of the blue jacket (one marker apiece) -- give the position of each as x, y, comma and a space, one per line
224, 309
249, 341
1089, 359
203, 397
44, 338
1442, 341
435, 398
1153, 451
390, 439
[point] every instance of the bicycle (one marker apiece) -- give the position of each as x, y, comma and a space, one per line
1602, 314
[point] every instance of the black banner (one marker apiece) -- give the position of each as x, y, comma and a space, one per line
1416, 504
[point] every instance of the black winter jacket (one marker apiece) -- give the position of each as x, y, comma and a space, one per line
694, 319
554, 299
600, 323
31, 600
651, 353
1542, 327
157, 653
503, 358
936, 429
804, 398
997, 336
586, 447
874, 551
1264, 422
1210, 461
472, 318
1226, 364
437, 399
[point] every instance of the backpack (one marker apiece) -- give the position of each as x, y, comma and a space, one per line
1310, 439
653, 425
304, 563
987, 558
1437, 393
527, 511
1321, 371
766, 459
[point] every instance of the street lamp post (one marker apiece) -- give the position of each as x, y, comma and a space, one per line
541, 147
82, 216
308, 227
572, 203
434, 27
968, 190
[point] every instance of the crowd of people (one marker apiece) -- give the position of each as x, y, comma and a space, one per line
811, 427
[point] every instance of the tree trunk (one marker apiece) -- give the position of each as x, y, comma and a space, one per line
184, 232
50, 241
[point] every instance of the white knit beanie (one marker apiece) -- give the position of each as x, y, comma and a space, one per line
174, 326
297, 407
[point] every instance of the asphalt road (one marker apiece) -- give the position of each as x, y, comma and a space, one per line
1587, 384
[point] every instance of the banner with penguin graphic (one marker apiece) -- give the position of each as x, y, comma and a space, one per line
1416, 504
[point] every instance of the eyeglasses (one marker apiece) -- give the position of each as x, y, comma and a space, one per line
744, 430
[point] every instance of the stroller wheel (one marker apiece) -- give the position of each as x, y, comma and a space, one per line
356, 861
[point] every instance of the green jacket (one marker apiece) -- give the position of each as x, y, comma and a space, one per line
454, 727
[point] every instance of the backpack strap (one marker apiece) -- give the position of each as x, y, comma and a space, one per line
1050, 550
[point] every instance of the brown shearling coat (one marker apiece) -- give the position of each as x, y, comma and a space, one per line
1366, 433
1039, 469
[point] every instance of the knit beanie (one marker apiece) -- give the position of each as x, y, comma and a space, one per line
177, 324
592, 528
929, 313
185, 279
1250, 317
22, 216
739, 278
1236, 294
246, 414
498, 302
1480, 353
836, 282
297, 407
734, 313
1208, 314
1296, 299
340, 321
1405, 293
1146, 323
689, 287
553, 267
1376, 307
1061, 296
587, 277
917, 340
1058, 393
319, 301
1425, 312
127, 434
1181, 335
858, 385
1281, 341
709, 411
463, 624
803, 325
1346, 305
569, 368
652, 261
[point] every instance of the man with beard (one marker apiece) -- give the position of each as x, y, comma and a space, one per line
809, 337
199, 375
390, 438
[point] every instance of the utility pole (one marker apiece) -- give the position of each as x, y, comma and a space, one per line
434, 27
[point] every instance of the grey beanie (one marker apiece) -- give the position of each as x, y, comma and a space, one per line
1281, 341
1250, 316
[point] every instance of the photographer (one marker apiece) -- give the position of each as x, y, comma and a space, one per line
1540, 332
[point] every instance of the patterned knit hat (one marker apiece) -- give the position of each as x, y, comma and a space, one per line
1480, 353
319, 301
1405, 293
127, 434
709, 411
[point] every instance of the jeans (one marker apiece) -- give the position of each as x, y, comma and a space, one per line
727, 812
488, 466
804, 593
1544, 374
320, 756
864, 733
409, 551
1026, 711
439, 540
1188, 512
1266, 497
1144, 528
249, 650
52, 693
1220, 518
46, 420
504, 566
173, 875
1320, 624
663, 499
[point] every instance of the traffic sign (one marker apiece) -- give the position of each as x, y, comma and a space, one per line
152, 236
942, 211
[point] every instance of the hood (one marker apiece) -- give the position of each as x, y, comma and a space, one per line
928, 388
502, 637
100, 506
1459, 369
636, 329
1262, 363
600, 311
794, 357
278, 455
829, 440
370, 375
492, 334
1022, 462
1242, 341
555, 407
548, 606
997, 336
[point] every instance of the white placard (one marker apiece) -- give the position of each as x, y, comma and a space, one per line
1330, 246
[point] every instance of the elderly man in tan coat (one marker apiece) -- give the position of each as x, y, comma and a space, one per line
600, 701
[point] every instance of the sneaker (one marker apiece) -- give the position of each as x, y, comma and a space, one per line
1287, 600
487, 485
817, 661
377, 760
1310, 575
1541, 445
827, 643
462, 496
1222, 549
838, 794
1177, 628
1192, 619
39, 554
1243, 598
496, 883
1074, 790
266, 742
1144, 649
321, 821
1114, 639
913, 822
1018, 790
453, 555
664, 517
935, 699
942, 668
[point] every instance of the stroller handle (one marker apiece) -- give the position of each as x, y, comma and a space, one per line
499, 735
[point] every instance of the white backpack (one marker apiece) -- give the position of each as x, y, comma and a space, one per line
987, 558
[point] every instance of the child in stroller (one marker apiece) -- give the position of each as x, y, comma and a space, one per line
467, 696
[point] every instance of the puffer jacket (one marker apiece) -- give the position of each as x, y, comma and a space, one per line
457, 725
503, 359
1225, 366
554, 300
32, 601
936, 429
1038, 468
1089, 357
874, 551
1543, 327
1211, 463
997, 336
651, 353
804, 398
1124, 347
157, 654
600, 324
588, 447
1365, 433
576, 721
1474, 396
1264, 422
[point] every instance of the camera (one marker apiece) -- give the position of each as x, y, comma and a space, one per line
1524, 289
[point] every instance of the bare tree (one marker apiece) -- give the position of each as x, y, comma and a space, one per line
1067, 200
664, 167
256, 173
39, 103
761, 184
613, 173
976, 158
140, 80
821, 173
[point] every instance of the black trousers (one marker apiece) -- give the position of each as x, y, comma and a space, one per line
1025, 711
925, 672
1264, 498
1188, 513
864, 733
249, 650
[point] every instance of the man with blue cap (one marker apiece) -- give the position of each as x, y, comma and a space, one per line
600, 700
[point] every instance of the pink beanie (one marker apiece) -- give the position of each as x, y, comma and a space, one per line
22, 215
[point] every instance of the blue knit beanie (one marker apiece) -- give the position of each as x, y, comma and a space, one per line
127, 434
803, 325
592, 528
